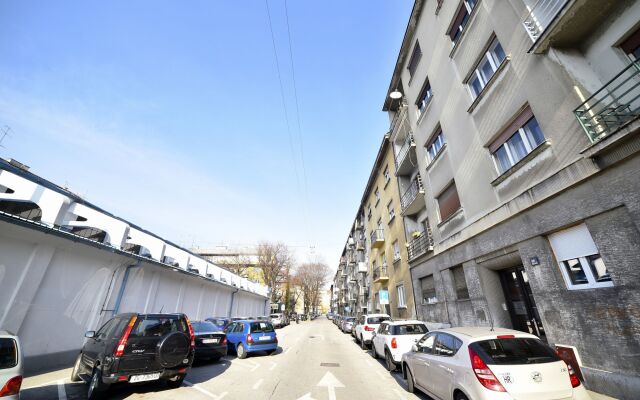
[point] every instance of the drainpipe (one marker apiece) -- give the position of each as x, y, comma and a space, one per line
116, 308
233, 295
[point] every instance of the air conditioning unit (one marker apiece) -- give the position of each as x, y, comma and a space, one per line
210, 276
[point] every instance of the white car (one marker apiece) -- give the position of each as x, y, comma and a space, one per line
367, 324
485, 364
394, 338
10, 366
277, 320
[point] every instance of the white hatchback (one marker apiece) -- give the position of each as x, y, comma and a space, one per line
367, 325
10, 366
394, 338
484, 364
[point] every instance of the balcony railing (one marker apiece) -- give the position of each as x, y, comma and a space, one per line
377, 238
408, 144
412, 192
541, 16
612, 107
380, 273
399, 119
420, 245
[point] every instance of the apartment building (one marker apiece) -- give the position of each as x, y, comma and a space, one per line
514, 127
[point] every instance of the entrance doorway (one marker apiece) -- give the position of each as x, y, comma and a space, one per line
520, 302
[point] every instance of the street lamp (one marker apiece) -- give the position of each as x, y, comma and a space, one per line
395, 95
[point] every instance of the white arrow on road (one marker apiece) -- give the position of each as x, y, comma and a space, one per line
306, 397
331, 383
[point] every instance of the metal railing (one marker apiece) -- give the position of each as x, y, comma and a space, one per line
541, 16
377, 235
412, 192
399, 118
404, 150
380, 272
616, 104
420, 245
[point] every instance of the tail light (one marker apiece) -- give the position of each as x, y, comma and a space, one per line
484, 374
12, 387
276, 339
575, 381
506, 336
192, 335
125, 336
249, 339
394, 343
224, 340
368, 328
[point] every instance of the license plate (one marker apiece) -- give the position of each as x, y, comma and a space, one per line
144, 378
264, 338
209, 340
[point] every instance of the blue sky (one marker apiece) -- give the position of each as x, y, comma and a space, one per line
169, 113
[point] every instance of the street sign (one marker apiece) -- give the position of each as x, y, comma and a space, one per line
383, 295
281, 307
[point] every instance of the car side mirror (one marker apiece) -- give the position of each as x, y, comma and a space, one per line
90, 334
374, 334
414, 348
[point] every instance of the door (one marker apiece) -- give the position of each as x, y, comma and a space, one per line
520, 302
379, 339
423, 360
442, 365
95, 345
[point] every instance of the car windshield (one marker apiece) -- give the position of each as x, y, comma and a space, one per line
261, 327
158, 326
377, 320
204, 326
409, 329
8, 353
515, 351
219, 323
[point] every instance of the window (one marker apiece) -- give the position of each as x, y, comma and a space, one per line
448, 202
425, 96
380, 223
401, 299
396, 251
461, 19
460, 282
369, 212
392, 212
447, 345
434, 145
631, 45
428, 290
377, 320
426, 344
377, 193
515, 351
383, 260
8, 353
514, 143
579, 259
416, 55
409, 329
486, 68
387, 176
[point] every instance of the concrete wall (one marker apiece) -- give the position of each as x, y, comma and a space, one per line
53, 289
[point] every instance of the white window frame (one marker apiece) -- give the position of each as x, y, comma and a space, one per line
387, 176
391, 211
402, 300
437, 144
491, 57
510, 152
377, 194
420, 110
396, 251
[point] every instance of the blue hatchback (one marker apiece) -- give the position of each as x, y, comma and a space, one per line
248, 336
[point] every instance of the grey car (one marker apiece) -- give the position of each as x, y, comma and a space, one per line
347, 324
10, 366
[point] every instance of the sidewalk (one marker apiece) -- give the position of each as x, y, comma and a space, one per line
598, 396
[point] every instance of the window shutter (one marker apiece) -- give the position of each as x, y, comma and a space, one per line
507, 132
631, 43
448, 201
573, 243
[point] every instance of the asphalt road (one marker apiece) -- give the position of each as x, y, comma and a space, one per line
315, 361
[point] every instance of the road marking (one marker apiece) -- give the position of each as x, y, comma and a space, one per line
287, 350
205, 392
306, 397
273, 365
331, 383
62, 393
400, 394
254, 366
257, 384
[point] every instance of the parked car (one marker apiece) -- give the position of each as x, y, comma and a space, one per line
370, 323
357, 322
220, 322
337, 320
245, 337
330, 316
263, 318
347, 324
210, 342
277, 320
483, 364
394, 338
131, 348
11, 366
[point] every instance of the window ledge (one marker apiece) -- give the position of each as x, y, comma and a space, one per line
424, 112
471, 20
397, 260
450, 217
386, 183
541, 147
391, 220
485, 89
437, 157
401, 307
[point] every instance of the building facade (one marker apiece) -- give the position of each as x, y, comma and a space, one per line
515, 128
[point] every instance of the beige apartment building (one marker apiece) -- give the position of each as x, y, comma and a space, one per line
514, 125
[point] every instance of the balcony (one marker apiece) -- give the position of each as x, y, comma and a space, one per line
362, 267
564, 23
380, 274
360, 244
612, 107
377, 238
343, 260
406, 159
420, 245
412, 199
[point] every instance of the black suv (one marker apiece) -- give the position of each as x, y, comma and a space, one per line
132, 348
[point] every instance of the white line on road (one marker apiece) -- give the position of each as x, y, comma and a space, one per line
287, 350
205, 392
257, 384
62, 393
273, 365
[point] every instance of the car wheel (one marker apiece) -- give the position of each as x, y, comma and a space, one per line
271, 352
391, 366
176, 382
363, 345
461, 396
241, 352
215, 359
410, 384
95, 385
75, 373
374, 354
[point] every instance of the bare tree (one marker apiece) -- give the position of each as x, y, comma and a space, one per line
275, 262
239, 264
312, 278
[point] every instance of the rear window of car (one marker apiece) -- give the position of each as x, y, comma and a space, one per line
220, 323
350, 319
409, 329
8, 353
204, 326
275, 315
158, 326
515, 351
377, 320
261, 327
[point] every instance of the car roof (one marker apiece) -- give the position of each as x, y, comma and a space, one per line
403, 322
7, 333
477, 332
377, 315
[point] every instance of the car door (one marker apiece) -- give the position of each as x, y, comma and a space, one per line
95, 345
422, 364
382, 341
232, 337
442, 368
